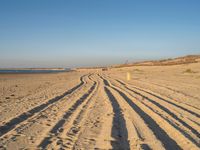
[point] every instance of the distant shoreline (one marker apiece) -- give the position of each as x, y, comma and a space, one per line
32, 70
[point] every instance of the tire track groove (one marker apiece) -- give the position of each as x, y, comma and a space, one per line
167, 141
195, 132
160, 133
119, 124
195, 114
55, 130
24, 116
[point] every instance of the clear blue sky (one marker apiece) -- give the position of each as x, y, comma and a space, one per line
70, 33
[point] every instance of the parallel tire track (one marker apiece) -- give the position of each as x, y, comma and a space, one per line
74, 131
159, 132
161, 98
184, 140
72, 128
165, 109
119, 125
174, 90
24, 116
127, 117
55, 130
190, 106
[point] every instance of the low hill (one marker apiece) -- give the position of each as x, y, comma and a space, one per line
175, 61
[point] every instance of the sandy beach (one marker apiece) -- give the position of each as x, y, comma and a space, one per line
158, 107
99, 75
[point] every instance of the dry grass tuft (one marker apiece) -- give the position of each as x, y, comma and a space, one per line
189, 71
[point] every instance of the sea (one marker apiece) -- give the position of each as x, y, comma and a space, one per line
5, 71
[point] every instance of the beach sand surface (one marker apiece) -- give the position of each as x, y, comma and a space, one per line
138, 107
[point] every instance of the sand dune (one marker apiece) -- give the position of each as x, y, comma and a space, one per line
158, 108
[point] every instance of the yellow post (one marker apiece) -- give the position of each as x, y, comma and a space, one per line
128, 76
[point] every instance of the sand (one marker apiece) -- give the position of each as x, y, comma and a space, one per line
156, 107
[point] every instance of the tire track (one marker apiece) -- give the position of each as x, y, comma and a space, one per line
93, 121
55, 131
139, 134
74, 131
176, 126
185, 95
173, 115
173, 90
72, 128
41, 94
161, 98
160, 133
175, 107
26, 115
127, 117
119, 130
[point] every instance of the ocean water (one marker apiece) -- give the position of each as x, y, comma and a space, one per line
32, 71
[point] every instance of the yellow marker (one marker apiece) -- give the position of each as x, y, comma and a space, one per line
128, 76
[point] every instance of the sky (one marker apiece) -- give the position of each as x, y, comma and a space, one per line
79, 33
